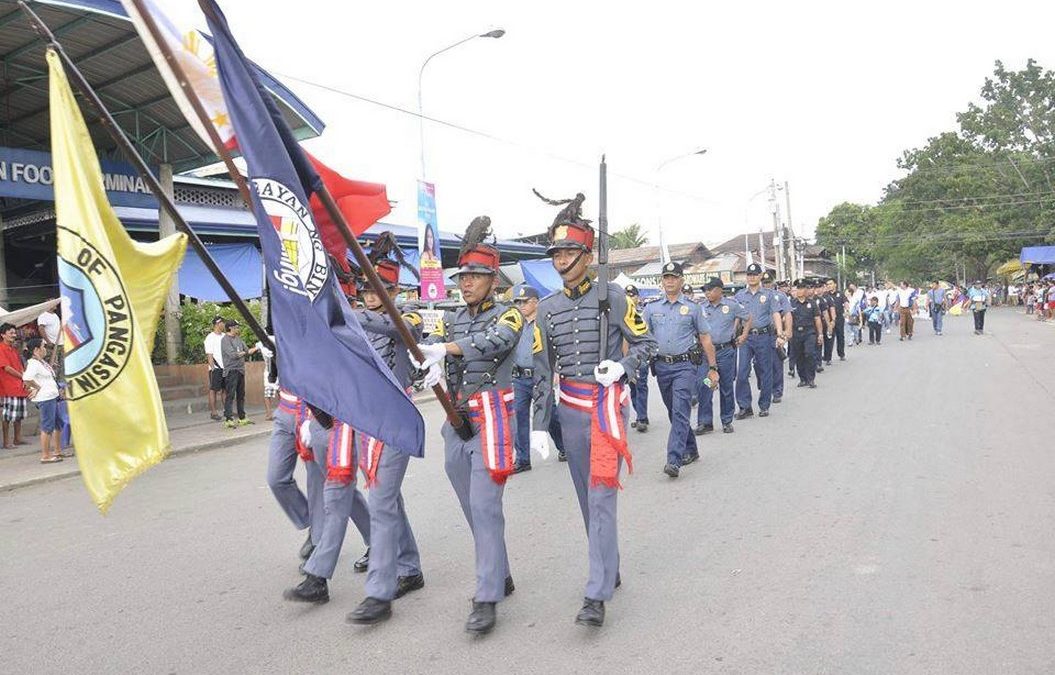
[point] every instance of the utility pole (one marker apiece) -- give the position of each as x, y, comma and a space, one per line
778, 240
791, 231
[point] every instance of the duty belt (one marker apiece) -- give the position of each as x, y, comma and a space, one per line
723, 345
762, 331
674, 359
805, 328
519, 372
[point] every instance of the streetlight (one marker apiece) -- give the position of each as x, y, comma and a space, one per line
497, 33
664, 253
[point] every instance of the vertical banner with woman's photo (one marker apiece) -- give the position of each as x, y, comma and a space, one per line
431, 265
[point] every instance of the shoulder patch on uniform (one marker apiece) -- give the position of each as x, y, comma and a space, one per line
413, 318
512, 318
633, 320
536, 342
441, 328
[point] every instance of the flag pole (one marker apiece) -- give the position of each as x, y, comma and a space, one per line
129, 150
454, 417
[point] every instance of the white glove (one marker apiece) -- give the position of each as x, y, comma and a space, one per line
433, 376
540, 443
432, 353
608, 372
305, 433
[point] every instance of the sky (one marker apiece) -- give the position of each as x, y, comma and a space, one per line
824, 96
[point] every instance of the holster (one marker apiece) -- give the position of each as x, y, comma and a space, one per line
696, 356
465, 429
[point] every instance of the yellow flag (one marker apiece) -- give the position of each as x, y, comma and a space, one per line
113, 289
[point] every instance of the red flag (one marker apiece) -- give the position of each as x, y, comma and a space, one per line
361, 204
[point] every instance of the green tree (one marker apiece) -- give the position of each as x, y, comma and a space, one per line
630, 236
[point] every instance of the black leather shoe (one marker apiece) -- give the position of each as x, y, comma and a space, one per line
562, 456
763, 413
671, 470
618, 579
689, 459
509, 586
633, 425
791, 373
812, 385
801, 384
827, 363
521, 467
642, 425
362, 564
744, 414
481, 619
727, 428
843, 358
704, 429
405, 585
312, 589
591, 614
777, 399
370, 611
820, 368
306, 548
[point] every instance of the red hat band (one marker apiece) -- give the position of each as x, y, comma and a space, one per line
566, 236
481, 255
388, 270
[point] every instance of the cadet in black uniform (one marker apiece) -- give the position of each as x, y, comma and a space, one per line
821, 300
806, 333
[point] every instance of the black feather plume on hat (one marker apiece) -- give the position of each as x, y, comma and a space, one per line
571, 214
478, 231
385, 247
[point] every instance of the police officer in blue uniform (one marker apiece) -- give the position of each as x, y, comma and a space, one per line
639, 386
684, 340
525, 298
756, 344
724, 316
779, 352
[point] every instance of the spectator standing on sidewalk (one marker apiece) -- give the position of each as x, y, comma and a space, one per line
906, 303
215, 359
233, 351
980, 299
12, 391
937, 304
39, 377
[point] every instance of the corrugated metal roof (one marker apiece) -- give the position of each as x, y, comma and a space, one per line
103, 43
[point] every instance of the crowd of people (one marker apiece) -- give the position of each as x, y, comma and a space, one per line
1038, 298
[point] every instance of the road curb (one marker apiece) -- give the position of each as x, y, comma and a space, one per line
214, 444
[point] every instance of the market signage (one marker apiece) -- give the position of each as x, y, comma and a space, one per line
27, 174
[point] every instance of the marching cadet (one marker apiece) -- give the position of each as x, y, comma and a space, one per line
477, 343
593, 393
783, 303
286, 444
525, 298
394, 564
681, 331
724, 315
638, 385
756, 345
806, 330
331, 445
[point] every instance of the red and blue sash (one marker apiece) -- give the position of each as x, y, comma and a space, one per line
369, 450
607, 427
492, 410
340, 453
290, 403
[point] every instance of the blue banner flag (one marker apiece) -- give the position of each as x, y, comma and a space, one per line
323, 354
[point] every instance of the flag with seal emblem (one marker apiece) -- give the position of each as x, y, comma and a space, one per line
113, 290
323, 354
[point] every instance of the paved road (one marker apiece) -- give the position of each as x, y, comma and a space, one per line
897, 519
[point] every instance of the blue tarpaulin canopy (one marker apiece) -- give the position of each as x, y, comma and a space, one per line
1037, 255
240, 262
540, 275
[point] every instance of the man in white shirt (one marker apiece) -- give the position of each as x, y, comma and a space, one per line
212, 352
906, 304
50, 328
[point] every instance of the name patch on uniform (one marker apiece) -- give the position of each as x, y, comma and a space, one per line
684, 310
725, 309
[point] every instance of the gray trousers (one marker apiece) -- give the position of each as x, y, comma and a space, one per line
281, 461
341, 501
393, 550
481, 501
598, 504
